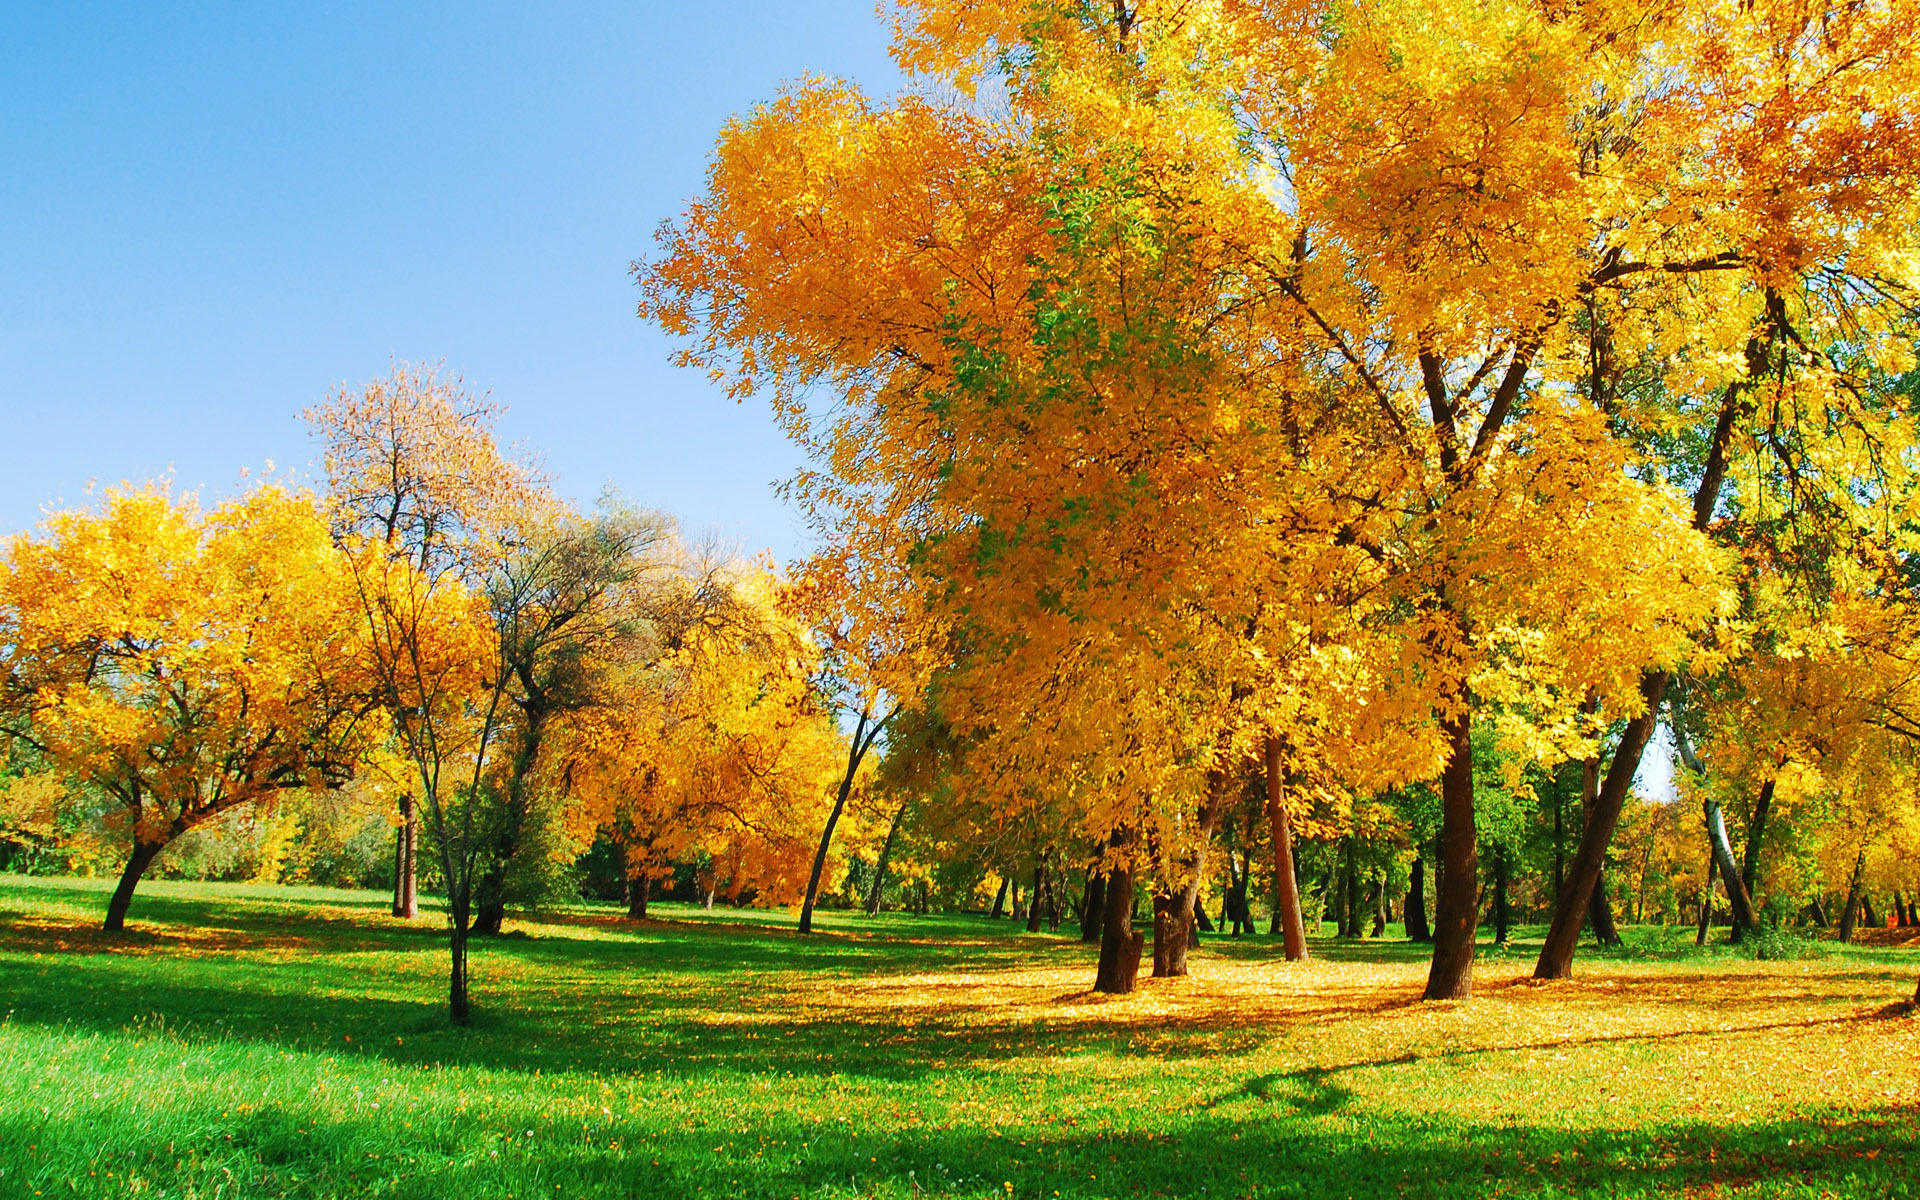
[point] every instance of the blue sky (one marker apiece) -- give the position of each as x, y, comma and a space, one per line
213, 214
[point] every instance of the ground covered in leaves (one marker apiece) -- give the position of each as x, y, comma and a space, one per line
250, 1041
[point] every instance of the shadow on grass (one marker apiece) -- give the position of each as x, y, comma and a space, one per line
1241, 1151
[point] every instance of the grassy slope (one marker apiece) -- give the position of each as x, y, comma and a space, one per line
248, 1041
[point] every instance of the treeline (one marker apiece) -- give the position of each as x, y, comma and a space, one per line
433, 669
1403, 400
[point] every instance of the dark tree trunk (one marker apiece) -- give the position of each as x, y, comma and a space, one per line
1570, 905
1173, 933
1706, 904
1350, 891
1501, 914
1866, 911
1379, 906
880, 864
1034, 913
406, 848
137, 863
1286, 885
865, 730
1095, 911
1120, 942
459, 1009
1000, 900
1744, 918
1817, 913
1416, 909
1600, 914
1450, 976
638, 890
1750, 857
1201, 923
1852, 905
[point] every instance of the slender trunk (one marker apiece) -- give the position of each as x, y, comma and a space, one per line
1450, 976
1379, 906
406, 842
1350, 891
1570, 904
1201, 922
1501, 915
1416, 909
1817, 912
1000, 900
856, 750
1750, 857
1120, 942
1034, 913
1744, 918
880, 864
1852, 905
1866, 910
1096, 905
1286, 885
1706, 904
137, 863
638, 891
459, 1008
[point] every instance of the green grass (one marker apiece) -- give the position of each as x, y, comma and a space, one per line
249, 1041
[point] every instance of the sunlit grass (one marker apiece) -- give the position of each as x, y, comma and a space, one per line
245, 1041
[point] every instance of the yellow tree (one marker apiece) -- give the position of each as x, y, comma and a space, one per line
1104, 367
185, 662
411, 465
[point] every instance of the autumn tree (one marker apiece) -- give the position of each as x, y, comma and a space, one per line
428, 513
186, 662
411, 464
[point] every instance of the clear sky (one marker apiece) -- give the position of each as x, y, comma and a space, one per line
212, 214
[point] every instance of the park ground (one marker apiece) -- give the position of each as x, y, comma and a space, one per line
248, 1041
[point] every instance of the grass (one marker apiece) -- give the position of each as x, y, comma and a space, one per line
262, 1042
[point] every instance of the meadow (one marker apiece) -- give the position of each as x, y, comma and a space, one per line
243, 1041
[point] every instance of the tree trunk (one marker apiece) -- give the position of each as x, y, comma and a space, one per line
137, 863
1416, 908
1120, 942
638, 891
1744, 918
1286, 885
1000, 900
1866, 911
880, 864
1750, 857
406, 846
864, 731
1570, 905
1600, 914
1501, 915
458, 1006
1034, 913
1173, 922
1095, 911
1706, 904
1379, 906
1817, 912
1350, 891
1450, 976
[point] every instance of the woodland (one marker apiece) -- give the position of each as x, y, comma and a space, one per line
1286, 478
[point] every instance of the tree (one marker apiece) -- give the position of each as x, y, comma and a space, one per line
186, 663
420, 448
410, 464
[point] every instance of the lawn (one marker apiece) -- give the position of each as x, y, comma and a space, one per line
248, 1041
